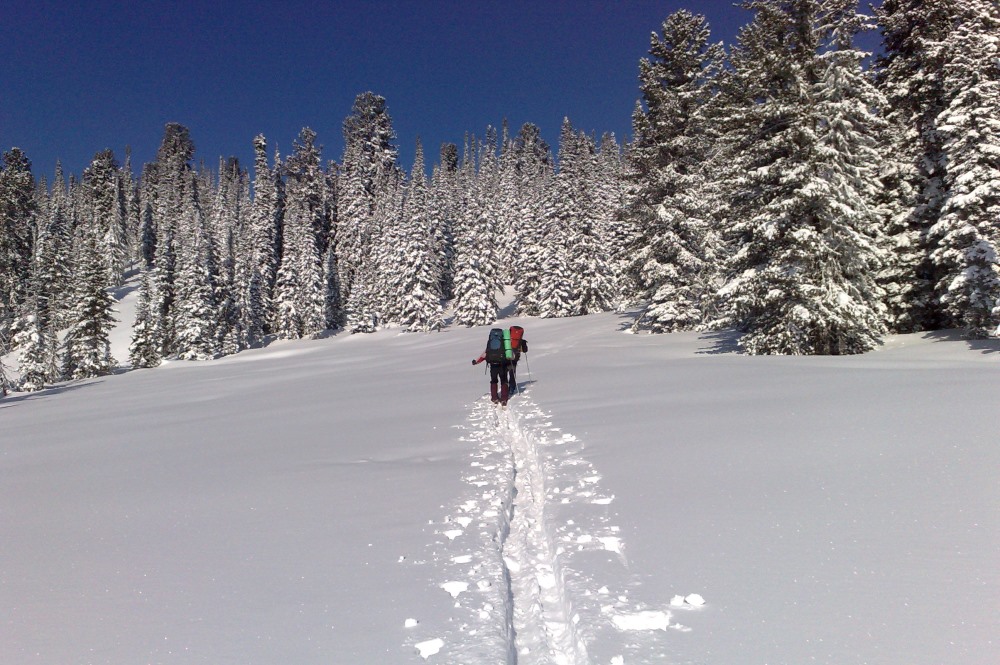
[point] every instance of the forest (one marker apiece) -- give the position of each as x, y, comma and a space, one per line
790, 186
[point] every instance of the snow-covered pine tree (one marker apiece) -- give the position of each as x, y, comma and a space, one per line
228, 226
147, 193
174, 197
368, 171
56, 257
416, 280
36, 335
261, 245
105, 203
576, 277
300, 291
144, 350
133, 210
442, 210
17, 224
534, 172
967, 235
195, 315
673, 256
909, 73
802, 278
35, 351
475, 283
87, 346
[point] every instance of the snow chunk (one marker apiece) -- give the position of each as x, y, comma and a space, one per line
647, 620
611, 544
695, 600
455, 588
429, 648
691, 600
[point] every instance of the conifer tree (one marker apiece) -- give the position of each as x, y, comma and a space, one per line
175, 198
17, 222
144, 349
195, 314
300, 294
107, 214
87, 346
262, 248
669, 157
475, 281
56, 257
534, 170
417, 280
801, 280
967, 235
442, 211
368, 173
909, 73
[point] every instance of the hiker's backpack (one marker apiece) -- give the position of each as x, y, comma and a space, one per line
515, 335
495, 346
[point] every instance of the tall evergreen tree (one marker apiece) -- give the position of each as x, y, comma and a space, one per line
195, 314
87, 347
174, 198
17, 230
107, 213
909, 72
475, 282
801, 280
144, 350
368, 173
300, 294
967, 235
533, 168
416, 279
262, 247
670, 158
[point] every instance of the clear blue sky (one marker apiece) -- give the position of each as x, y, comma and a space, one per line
78, 77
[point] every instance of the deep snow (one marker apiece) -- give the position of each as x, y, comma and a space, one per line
355, 499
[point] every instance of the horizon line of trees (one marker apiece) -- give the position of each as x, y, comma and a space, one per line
779, 187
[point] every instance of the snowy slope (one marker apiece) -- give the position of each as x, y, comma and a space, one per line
356, 500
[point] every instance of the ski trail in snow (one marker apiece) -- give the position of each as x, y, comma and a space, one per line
544, 622
534, 566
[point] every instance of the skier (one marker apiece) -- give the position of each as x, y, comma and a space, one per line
499, 366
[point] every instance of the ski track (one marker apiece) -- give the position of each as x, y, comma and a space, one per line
520, 569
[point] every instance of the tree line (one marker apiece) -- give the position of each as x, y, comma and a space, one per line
786, 186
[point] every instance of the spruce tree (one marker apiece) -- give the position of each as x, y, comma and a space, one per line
195, 312
967, 235
107, 214
144, 350
670, 160
300, 294
87, 346
909, 73
17, 230
801, 281
475, 280
417, 280
262, 247
368, 173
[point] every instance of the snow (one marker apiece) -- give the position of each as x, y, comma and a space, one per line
355, 499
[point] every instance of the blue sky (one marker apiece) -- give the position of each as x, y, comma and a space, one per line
79, 77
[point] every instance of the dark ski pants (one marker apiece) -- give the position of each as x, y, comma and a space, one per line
512, 376
500, 372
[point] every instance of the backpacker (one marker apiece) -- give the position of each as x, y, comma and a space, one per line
495, 346
515, 333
